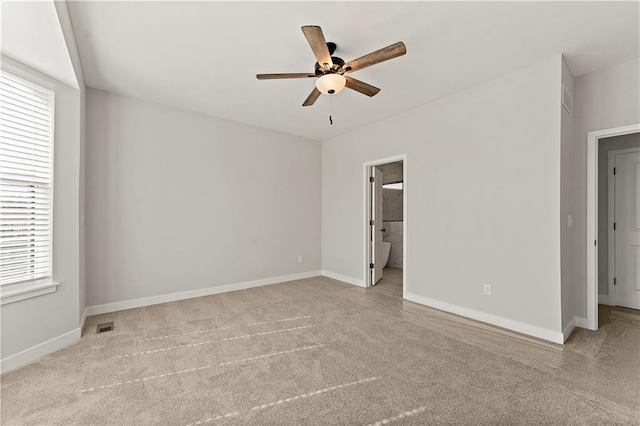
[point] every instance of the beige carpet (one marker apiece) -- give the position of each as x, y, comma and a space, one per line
321, 352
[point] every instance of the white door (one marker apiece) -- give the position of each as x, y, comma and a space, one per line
627, 229
376, 226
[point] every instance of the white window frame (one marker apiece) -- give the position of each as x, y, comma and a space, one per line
14, 292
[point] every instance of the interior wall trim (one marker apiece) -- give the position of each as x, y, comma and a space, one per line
575, 322
346, 279
83, 320
509, 324
172, 297
36, 352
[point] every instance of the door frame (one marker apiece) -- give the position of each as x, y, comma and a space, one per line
611, 219
377, 203
366, 205
592, 215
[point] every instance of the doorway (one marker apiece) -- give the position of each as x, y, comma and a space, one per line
385, 220
613, 220
622, 245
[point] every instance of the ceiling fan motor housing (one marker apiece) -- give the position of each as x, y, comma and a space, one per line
337, 63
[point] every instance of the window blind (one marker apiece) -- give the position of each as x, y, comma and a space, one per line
26, 173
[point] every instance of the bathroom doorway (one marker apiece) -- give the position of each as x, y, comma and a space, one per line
386, 225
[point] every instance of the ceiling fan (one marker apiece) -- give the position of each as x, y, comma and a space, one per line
330, 70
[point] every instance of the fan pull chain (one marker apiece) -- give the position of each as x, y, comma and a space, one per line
330, 109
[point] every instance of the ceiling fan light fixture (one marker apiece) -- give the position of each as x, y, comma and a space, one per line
330, 84
329, 69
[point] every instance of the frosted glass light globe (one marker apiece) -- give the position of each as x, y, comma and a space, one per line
330, 84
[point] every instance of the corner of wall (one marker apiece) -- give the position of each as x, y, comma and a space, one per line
568, 185
66, 26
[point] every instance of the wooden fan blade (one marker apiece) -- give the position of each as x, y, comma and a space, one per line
318, 44
285, 75
313, 97
362, 87
384, 54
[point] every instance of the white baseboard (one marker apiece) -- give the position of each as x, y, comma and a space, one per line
575, 322
568, 329
580, 322
603, 299
346, 279
520, 327
172, 297
84, 319
35, 353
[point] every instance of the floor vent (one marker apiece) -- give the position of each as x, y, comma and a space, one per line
103, 328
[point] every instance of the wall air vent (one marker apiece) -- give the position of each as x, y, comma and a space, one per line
103, 328
567, 100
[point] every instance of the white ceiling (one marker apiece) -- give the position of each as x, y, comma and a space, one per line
31, 34
203, 56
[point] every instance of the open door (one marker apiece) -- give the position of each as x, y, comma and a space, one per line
626, 228
376, 226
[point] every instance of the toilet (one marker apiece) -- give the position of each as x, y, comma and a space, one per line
386, 249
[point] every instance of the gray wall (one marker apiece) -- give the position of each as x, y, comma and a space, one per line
483, 194
392, 204
179, 201
391, 172
604, 146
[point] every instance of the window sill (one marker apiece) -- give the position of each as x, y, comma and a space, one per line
16, 292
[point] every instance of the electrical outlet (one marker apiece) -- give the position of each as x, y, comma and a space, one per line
487, 289
570, 221
299, 259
